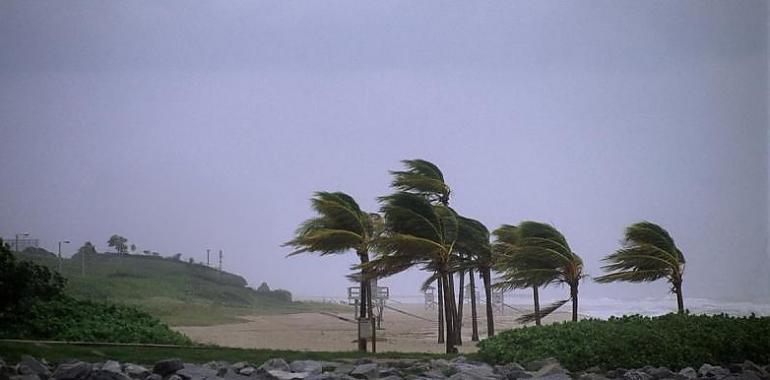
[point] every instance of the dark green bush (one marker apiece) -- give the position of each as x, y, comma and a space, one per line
66, 318
674, 340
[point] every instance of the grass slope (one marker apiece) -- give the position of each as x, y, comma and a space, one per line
177, 292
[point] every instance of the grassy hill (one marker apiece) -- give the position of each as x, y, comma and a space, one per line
178, 292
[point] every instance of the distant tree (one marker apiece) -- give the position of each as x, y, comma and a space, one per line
263, 288
147, 252
155, 253
119, 243
191, 260
176, 257
87, 249
133, 248
648, 254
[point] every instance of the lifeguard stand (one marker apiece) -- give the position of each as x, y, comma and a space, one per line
380, 295
430, 298
498, 301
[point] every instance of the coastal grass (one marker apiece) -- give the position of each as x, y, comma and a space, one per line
177, 292
147, 355
674, 341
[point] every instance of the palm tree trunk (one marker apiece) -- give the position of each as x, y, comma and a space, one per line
448, 318
440, 307
455, 321
460, 304
486, 274
574, 295
474, 314
363, 309
536, 295
679, 298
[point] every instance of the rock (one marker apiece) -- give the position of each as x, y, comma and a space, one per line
237, 366
465, 370
365, 371
661, 373
35, 366
329, 376
135, 371
550, 368
112, 366
167, 367
25, 377
174, 377
276, 364
636, 375
512, 371
72, 371
747, 375
195, 372
101, 374
153, 376
707, 370
363, 361
391, 377
287, 375
537, 364
22, 369
556, 376
748, 365
312, 367
440, 363
592, 376
688, 372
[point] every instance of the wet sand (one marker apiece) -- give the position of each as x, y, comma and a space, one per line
319, 332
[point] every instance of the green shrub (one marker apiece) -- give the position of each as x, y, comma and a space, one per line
66, 318
674, 340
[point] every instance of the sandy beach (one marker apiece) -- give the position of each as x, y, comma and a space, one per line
321, 332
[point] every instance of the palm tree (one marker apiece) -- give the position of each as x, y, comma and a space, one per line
648, 254
340, 227
424, 178
473, 245
422, 234
541, 257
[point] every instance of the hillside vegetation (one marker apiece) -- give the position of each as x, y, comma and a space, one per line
177, 292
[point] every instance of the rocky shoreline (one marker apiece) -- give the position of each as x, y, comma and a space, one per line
459, 368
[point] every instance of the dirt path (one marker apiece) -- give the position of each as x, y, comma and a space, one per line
318, 332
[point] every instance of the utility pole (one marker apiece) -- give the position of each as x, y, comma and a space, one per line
220, 260
208, 264
60, 242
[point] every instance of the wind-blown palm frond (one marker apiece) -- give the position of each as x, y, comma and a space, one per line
423, 178
544, 312
648, 254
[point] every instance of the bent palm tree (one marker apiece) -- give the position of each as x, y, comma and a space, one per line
648, 254
473, 244
421, 234
542, 257
339, 227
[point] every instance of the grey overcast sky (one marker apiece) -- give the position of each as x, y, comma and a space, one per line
186, 125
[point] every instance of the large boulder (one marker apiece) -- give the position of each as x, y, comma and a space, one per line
196, 372
72, 371
549, 368
287, 375
35, 366
365, 371
135, 371
535, 365
275, 364
708, 370
112, 366
167, 367
473, 371
101, 374
309, 366
688, 373
555, 376
592, 376
636, 375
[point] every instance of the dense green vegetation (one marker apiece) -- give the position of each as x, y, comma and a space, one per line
33, 306
177, 292
67, 319
12, 352
673, 340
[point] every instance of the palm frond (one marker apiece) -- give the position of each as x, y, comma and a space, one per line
421, 177
544, 312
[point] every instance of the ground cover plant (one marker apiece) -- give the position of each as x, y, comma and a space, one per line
674, 340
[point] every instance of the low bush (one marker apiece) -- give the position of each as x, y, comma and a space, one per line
68, 319
674, 340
